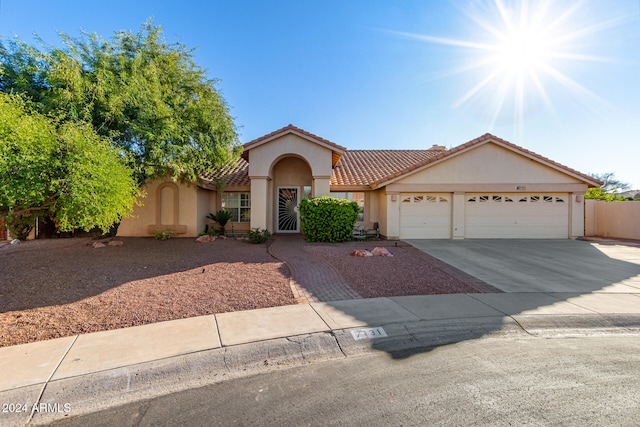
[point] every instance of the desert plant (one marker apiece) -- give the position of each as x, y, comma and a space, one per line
212, 231
257, 235
164, 234
221, 218
327, 219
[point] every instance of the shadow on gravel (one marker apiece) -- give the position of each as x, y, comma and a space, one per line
53, 272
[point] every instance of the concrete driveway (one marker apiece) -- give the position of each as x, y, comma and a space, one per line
521, 265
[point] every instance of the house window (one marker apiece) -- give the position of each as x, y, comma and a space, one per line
306, 192
354, 197
239, 204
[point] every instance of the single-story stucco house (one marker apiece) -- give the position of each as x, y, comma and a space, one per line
485, 188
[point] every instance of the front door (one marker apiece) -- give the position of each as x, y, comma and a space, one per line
288, 220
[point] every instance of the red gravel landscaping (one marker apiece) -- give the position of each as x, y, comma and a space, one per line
61, 287
409, 272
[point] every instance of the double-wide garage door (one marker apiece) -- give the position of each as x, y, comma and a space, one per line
526, 216
486, 215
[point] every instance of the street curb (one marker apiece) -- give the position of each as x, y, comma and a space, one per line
100, 390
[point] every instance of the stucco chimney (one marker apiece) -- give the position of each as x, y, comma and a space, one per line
438, 148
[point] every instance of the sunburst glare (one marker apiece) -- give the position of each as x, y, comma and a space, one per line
517, 56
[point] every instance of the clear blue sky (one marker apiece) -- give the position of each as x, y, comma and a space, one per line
403, 74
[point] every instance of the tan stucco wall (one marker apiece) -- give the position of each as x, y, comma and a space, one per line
372, 207
489, 164
161, 214
204, 204
390, 207
612, 219
576, 212
291, 171
382, 211
264, 157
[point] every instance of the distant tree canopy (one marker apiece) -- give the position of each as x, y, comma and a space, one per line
610, 183
63, 170
146, 96
609, 189
87, 119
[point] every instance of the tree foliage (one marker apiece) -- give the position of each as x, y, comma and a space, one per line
610, 183
147, 96
600, 194
63, 170
327, 219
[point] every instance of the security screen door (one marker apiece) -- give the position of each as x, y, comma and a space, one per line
287, 210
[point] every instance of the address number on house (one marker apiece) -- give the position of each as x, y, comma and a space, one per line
368, 333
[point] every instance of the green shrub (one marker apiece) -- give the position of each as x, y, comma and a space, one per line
327, 219
212, 231
256, 235
164, 234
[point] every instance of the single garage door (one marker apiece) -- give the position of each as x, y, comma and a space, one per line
425, 216
527, 216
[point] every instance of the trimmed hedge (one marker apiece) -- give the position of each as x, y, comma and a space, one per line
327, 219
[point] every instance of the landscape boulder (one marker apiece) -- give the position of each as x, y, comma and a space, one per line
378, 251
97, 245
116, 243
361, 252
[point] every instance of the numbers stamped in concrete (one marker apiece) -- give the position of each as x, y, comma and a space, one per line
368, 333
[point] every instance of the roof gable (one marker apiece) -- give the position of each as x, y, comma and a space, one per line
336, 150
475, 144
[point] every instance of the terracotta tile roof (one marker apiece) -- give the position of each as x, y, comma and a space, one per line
233, 174
375, 168
364, 167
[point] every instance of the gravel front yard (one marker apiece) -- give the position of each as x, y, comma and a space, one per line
61, 287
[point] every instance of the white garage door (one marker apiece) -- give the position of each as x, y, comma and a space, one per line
425, 216
543, 216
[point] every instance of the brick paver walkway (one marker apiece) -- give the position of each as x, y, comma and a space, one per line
311, 278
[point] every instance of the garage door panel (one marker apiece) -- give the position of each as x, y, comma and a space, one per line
425, 216
516, 216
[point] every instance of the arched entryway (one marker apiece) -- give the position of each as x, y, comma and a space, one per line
291, 182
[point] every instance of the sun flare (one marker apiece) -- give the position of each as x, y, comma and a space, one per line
517, 54
523, 51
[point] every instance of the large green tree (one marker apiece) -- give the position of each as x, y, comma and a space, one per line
146, 95
62, 170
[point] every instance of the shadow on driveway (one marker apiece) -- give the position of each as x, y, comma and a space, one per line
549, 285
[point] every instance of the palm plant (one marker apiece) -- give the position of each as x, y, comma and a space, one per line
221, 218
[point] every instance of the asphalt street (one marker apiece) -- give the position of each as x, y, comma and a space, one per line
584, 380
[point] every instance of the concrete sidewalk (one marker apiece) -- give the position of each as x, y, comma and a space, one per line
79, 374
